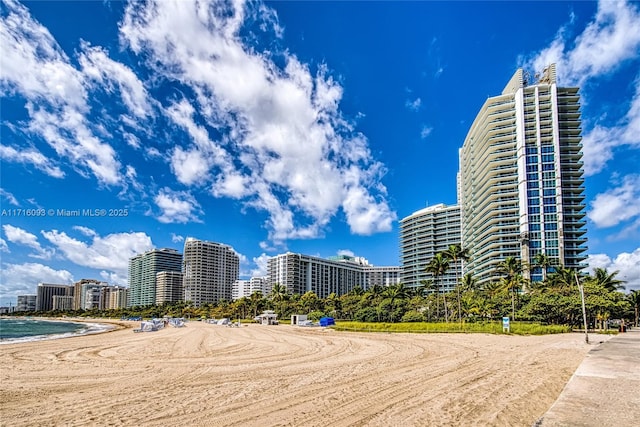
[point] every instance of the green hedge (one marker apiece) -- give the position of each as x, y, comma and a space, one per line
517, 328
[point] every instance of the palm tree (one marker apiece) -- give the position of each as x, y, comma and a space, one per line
543, 261
240, 306
608, 281
256, 302
562, 279
332, 304
634, 298
424, 288
469, 283
374, 293
396, 292
357, 290
373, 296
278, 294
309, 301
455, 253
512, 269
438, 266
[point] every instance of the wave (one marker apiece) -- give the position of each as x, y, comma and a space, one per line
85, 329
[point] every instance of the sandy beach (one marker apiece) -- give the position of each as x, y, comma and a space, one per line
209, 375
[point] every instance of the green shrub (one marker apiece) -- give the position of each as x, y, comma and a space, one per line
413, 316
517, 328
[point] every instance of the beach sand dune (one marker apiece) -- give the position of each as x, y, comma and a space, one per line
208, 375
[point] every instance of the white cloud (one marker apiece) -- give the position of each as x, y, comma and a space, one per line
597, 148
262, 263
425, 131
273, 137
7, 195
189, 166
176, 238
22, 237
610, 40
17, 279
3, 246
153, 152
627, 265
85, 230
131, 180
194, 164
618, 204
629, 232
110, 252
55, 93
599, 143
177, 206
346, 252
33, 157
99, 68
413, 105
114, 278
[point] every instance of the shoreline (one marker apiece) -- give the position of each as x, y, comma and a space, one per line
94, 326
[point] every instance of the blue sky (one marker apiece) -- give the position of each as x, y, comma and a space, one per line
310, 127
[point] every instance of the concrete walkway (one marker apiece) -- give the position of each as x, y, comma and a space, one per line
605, 389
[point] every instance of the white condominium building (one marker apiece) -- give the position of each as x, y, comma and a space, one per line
26, 303
423, 234
244, 288
382, 275
521, 186
303, 273
209, 271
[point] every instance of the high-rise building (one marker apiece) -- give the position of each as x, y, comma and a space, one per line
423, 234
244, 288
95, 296
46, 292
142, 274
26, 303
62, 302
340, 274
303, 273
382, 275
79, 293
168, 287
521, 185
209, 271
116, 297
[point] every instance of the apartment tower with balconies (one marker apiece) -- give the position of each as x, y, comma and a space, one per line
521, 185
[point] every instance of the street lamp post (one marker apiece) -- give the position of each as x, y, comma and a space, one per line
584, 310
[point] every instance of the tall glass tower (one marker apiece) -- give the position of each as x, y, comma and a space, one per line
142, 274
521, 185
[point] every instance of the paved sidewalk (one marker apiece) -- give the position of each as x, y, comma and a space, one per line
605, 389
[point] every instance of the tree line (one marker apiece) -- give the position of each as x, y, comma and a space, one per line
554, 300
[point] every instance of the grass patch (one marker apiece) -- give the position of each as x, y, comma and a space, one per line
517, 328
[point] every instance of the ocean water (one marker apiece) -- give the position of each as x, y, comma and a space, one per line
24, 330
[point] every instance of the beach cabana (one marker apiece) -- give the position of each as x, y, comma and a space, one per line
298, 318
268, 317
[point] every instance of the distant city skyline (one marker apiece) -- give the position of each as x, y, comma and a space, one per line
310, 127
